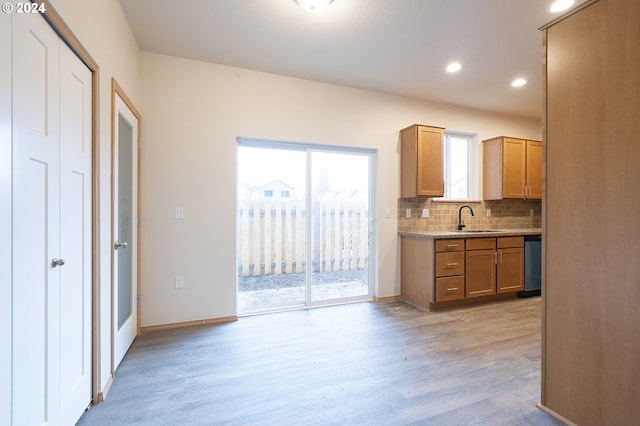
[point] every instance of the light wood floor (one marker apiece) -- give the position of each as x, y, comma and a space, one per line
364, 363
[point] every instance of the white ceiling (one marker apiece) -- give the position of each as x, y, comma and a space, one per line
392, 46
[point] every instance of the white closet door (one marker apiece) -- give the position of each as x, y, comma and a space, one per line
52, 228
36, 222
5, 219
75, 236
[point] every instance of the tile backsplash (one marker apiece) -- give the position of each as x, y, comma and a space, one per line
443, 215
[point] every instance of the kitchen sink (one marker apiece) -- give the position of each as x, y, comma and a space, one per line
479, 230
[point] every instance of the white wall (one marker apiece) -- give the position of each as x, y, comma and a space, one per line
103, 30
5, 218
192, 113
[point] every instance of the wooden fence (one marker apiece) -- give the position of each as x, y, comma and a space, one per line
271, 236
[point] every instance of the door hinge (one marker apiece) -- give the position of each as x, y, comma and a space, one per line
138, 222
137, 299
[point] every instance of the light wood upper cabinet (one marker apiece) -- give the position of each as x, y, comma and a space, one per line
422, 161
534, 169
512, 168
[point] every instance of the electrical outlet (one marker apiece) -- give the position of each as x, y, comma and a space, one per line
488, 212
425, 212
179, 282
531, 212
407, 213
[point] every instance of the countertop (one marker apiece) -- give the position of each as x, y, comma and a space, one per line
437, 235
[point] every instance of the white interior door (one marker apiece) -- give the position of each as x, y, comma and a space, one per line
75, 236
36, 220
124, 213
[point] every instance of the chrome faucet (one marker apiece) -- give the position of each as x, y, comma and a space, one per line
460, 222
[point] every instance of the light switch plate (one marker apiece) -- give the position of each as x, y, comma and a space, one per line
388, 213
531, 212
179, 213
179, 282
425, 212
407, 213
488, 212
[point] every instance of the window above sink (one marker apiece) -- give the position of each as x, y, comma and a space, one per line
461, 166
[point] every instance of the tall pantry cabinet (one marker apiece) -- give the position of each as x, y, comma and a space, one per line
591, 241
45, 226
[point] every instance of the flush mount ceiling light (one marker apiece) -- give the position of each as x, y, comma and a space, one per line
313, 5
518, 82
560, 6
454, 67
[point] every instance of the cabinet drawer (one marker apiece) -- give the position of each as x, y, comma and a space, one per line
481, 243
505, 242
449, 245
448, 264
449, 288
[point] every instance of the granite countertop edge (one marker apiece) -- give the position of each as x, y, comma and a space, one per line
466, 234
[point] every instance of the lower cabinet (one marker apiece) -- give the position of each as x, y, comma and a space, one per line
450, 272
510, 264
481, 267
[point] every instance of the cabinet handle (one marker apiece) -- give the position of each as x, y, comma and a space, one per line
452, 289
452, 245
501, 258
495, 258
451, 265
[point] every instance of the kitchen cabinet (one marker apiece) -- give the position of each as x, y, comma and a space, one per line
480, 269
512, 168
510, 264
447, 272
422, 168
494, 265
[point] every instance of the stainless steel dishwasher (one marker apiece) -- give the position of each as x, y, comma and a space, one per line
532, 266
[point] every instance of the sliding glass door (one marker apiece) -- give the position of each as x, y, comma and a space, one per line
340, 225
304, 225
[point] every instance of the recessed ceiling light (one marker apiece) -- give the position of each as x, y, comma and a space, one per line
518, 82
454, 67
560, 6
314, 5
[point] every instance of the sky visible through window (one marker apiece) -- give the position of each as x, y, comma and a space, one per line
332, 172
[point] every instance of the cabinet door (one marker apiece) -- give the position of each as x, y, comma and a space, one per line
430, 179
510, 271
513, 168
534, 170
480, 273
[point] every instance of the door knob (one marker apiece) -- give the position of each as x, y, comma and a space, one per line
56, 262
118, 245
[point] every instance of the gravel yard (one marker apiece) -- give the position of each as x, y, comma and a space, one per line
260, 292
